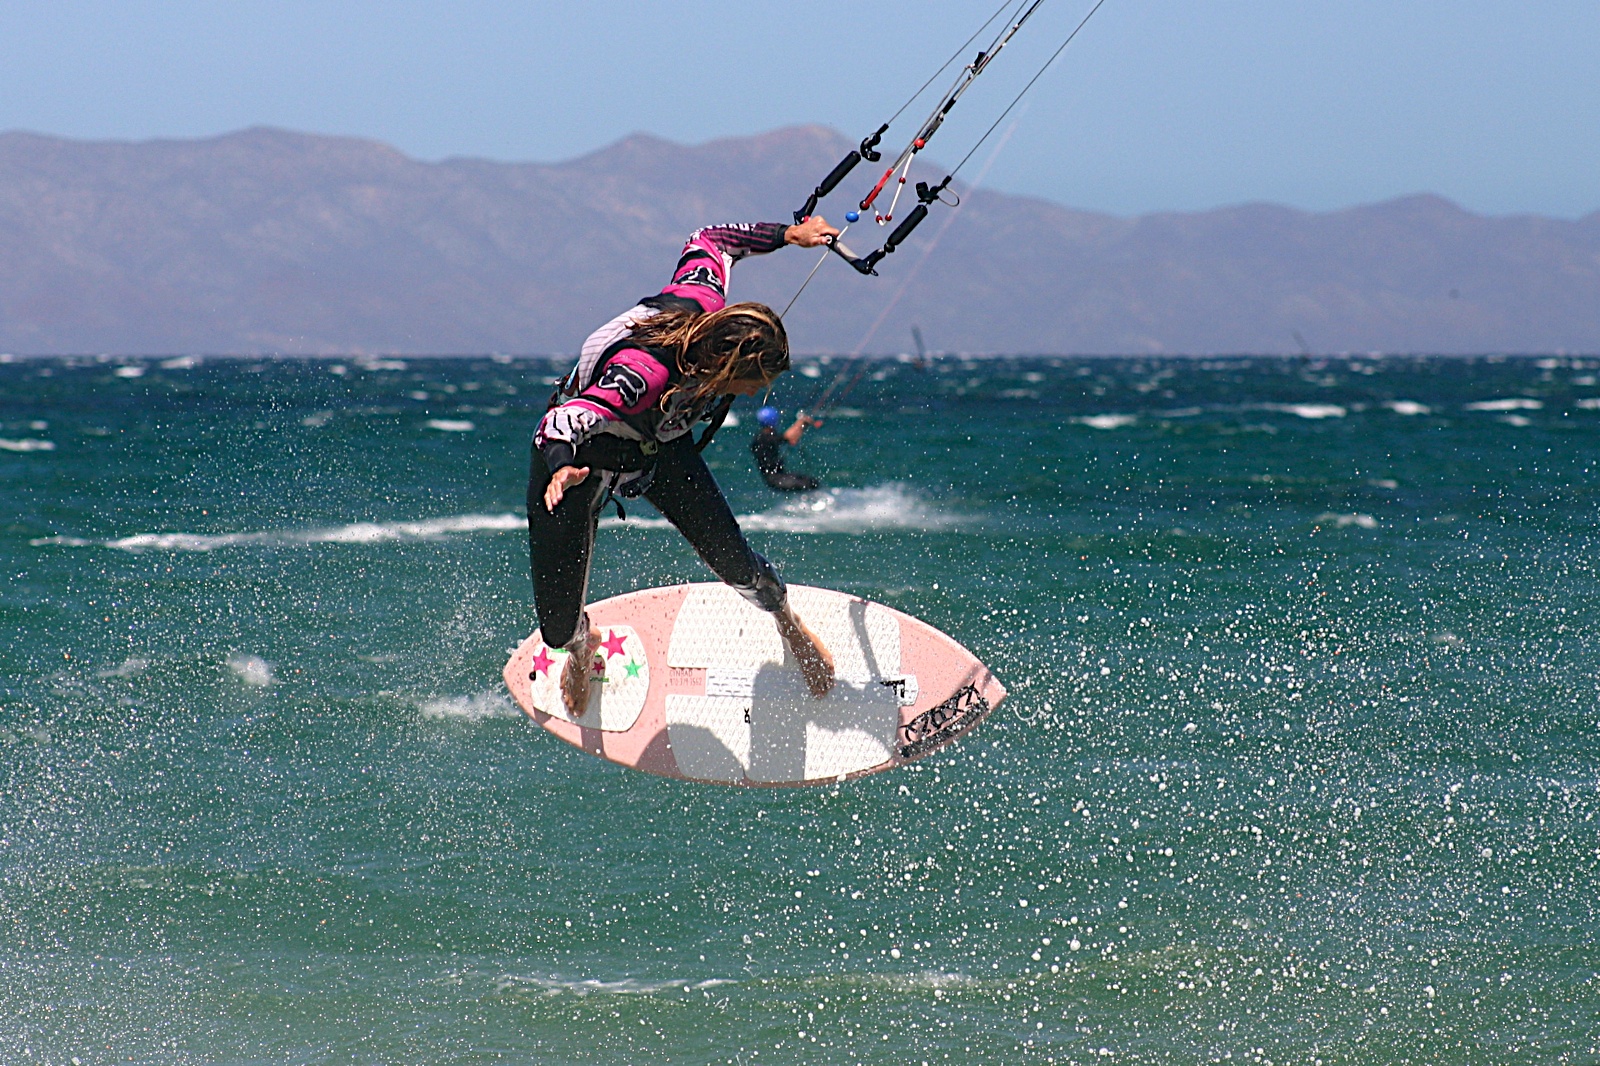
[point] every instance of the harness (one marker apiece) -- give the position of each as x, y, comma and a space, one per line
624, 455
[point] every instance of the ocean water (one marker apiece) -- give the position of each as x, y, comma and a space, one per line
1300, 762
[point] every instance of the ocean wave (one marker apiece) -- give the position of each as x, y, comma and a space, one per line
131, 667
891, 506
1514, 403
1344, 521
474, 708
1309, 410
1408, 407
627, 986
450, 425
27, 444
354, 533
1107, 421
253, 670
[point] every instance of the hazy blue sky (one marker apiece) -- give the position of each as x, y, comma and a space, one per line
1159, 104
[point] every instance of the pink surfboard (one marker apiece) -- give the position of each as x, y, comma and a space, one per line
697, 685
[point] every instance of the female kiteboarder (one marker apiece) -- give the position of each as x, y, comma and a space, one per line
619, 425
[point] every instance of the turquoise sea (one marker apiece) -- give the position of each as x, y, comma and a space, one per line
1300, 762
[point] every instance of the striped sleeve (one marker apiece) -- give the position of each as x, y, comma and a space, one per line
709, 254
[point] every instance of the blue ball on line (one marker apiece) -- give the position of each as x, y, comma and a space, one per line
852, 216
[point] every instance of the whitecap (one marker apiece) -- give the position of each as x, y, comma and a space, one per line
450, 425
381, 364
892, 506
627, 986
354, 533
253, 670
130, 371
27, 444
369, 532
1408, 407
317, 419
1310, 410
1589, 403
1106, 421
182, 362
129, 668
1344, 521
475, 708
62, 542
1515, 420
1515, 403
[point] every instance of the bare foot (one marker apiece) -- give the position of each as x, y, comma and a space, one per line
577, 675
816, 665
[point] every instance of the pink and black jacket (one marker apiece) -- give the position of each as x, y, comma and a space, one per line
615, 390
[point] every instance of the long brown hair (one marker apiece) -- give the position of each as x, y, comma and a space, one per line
741, 342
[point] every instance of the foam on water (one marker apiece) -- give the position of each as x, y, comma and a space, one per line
891, 506
1309, 410
450, 425
1344, 521
27, 444
589, 986
354, 533
1408, 407
1107, 421
131, 667
253, 670
1514, 403
473, 708
879, 507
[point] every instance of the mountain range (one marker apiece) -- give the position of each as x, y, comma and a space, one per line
270, 241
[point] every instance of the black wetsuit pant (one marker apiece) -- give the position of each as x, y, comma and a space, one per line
561, 544
783, 481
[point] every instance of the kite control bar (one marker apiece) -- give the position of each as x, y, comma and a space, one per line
926, 194
867, 264
868, 151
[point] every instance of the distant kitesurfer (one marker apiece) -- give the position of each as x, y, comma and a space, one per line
767, 447
620, 425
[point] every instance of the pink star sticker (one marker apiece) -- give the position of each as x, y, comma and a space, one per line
612, 644
541, 663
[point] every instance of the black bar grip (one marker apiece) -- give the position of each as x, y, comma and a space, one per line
903, 230
867, 264
829, 183
837, 174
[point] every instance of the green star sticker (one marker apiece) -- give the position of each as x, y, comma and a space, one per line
632, 668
